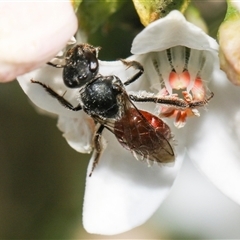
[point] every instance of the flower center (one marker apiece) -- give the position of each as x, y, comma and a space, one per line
183, 72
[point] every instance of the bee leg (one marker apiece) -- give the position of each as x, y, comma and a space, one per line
165, 100
60, 98
194, 104
56, 65
98, 147
136, 65
170, 101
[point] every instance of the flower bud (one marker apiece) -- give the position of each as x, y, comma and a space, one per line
229, 36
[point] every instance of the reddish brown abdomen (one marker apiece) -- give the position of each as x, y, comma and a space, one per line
145, 134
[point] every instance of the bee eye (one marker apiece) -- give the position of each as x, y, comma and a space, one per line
92, 61
93, 66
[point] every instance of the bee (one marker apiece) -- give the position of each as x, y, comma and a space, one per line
106, 100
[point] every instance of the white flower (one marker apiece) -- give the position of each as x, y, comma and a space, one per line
122, 192
212, 141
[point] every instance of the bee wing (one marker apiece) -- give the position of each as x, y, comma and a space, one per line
145, 135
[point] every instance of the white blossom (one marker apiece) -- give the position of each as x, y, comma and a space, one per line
123, 193
212, 141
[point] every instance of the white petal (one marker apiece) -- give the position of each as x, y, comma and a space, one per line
172, 30
122, 192
53, 78
214, 139
111, 68
78, 131
118, 69
32, 33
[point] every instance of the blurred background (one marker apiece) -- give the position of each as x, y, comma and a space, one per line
42, 179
